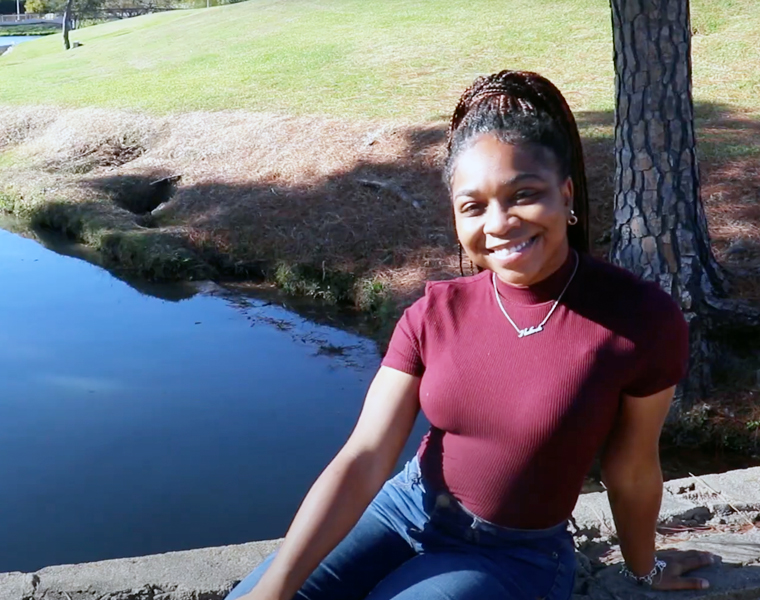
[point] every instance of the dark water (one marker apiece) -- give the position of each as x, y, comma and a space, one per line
131, 424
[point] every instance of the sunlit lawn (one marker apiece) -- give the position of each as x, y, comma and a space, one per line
392, 59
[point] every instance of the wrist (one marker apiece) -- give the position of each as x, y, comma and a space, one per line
648, 577
641, 568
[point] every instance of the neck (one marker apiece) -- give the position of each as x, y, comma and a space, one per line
544, 290
551, 266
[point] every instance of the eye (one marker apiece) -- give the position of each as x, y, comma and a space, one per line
471, 208
526, 195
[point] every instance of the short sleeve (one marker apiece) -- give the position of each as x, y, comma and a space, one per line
662, 351
405, 348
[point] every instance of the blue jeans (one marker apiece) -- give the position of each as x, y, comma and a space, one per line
414, 543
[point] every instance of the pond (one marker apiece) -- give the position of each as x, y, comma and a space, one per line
139, 418
12, 40
133, 424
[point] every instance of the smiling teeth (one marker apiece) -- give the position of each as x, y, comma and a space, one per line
504, 252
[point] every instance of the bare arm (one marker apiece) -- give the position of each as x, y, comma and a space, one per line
346, 487
631, 471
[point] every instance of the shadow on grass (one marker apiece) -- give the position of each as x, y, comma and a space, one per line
319, 239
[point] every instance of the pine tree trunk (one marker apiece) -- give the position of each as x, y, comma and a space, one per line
660, 226
67, 24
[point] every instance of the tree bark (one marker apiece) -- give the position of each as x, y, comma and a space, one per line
67, 24
660, 228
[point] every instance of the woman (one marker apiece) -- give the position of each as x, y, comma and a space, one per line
525, 371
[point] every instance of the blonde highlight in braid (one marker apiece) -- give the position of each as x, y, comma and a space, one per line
523, 107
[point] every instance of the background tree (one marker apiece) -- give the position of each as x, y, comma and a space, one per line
660, 228
41, 7
67, 16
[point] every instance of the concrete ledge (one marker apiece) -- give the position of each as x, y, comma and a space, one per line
686, 500
712, 513
206, 574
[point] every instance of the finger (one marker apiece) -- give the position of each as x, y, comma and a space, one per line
690, 561
685, 583
680, 583
683, 562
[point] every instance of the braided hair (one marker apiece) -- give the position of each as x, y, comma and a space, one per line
520, 107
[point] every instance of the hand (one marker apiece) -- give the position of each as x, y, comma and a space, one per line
680, 562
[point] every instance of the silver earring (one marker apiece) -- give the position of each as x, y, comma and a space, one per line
573, 220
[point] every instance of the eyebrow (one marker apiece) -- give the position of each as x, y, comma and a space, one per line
507, 182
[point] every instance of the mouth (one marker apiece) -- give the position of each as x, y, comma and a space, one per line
506, 250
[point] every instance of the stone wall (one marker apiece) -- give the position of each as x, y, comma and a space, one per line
714, 513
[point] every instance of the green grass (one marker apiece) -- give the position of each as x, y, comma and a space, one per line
391, 59
396, 58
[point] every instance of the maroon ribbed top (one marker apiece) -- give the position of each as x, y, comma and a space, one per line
516, 422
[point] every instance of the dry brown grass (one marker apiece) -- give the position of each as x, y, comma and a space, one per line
260, 188
731, 192
80, 141
17, 124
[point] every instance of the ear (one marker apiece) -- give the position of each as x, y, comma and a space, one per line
568, 193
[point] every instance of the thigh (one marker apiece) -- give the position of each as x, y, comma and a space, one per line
442, 576
463, 574
372, 550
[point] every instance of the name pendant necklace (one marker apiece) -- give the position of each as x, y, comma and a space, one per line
521, 333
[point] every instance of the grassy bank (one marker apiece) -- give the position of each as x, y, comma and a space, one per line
349, 58
300, 141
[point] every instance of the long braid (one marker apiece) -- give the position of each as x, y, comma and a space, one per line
526, 107
559, 106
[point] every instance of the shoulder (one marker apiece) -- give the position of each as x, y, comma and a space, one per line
620, 286
459, 289
625, 297
644, 314
444, 300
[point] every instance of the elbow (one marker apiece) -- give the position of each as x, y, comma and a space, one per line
636, 478
366, 470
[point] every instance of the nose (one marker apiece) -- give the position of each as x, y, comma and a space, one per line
499, 220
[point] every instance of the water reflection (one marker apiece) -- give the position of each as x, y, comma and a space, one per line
131, 424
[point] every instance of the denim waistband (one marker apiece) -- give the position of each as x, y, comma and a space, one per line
444, 504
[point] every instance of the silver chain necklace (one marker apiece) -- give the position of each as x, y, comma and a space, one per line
540, 327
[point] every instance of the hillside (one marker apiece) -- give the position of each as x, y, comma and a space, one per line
398, 58
387, 59
391, 59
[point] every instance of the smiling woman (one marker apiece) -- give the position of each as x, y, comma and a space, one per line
511, 207
520, 147
517, 414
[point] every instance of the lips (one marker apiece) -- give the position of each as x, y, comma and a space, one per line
505, 251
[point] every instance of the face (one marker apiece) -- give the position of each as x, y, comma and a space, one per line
511, 207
